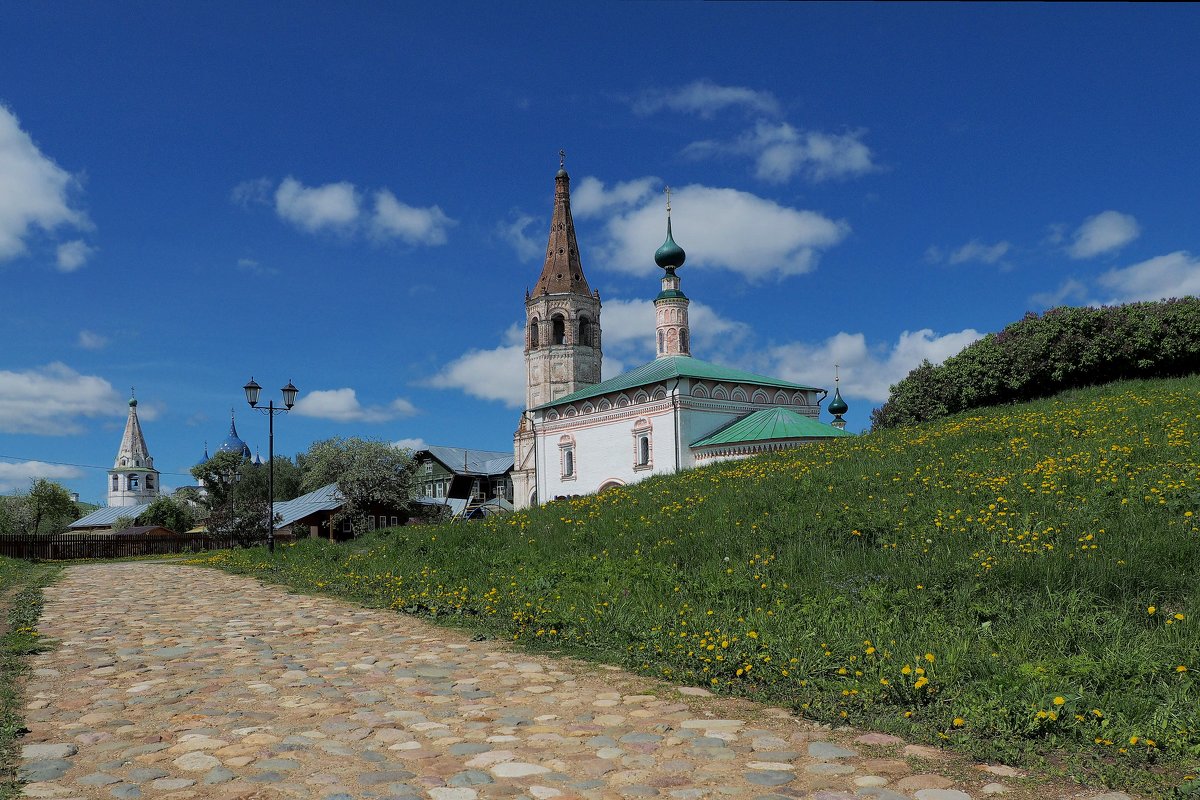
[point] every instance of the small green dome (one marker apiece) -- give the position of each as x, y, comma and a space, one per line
133, 402
670, 256
837, 406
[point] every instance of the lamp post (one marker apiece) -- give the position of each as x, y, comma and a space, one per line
289, 399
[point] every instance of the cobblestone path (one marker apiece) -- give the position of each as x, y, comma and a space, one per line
180, 682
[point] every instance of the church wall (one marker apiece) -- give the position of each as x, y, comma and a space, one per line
604, 450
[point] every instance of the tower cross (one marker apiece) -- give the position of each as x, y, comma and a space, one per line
562, 159
667, 190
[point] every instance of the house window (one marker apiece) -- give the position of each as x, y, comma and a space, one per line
428, 467
441, 489
346, 526
395, 521
370, 522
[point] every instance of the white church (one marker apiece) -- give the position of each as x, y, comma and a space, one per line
580, 435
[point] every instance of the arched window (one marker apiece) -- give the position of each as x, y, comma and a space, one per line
568, 463
560, 329
660, 341
585, 332
683, 341
115, 484
533, 334
643, 450
150, 483
133, 483
566, 449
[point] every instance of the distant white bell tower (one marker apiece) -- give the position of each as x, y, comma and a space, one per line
133, 480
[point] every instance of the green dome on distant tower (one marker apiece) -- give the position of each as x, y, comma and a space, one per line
837, 406
670, 256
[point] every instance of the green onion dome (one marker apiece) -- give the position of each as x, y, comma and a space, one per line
670, 256
837, 406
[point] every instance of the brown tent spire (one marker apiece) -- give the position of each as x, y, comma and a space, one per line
562, 273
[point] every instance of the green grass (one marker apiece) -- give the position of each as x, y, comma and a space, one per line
1016, 583
20, 605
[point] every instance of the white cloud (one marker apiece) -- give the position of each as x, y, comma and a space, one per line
976, 250
781, 152
705, 98
867, 371
1105, 232
72, 255
396, 220
17, 477
253, 192
92, 341
592, 199
410, 444
496, 374
252, 266
1173, 275
35, 191
314, 208
49, 400
1071, 291
721, 229
341, 405
526, 246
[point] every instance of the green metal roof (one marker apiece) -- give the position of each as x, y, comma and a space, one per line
769, 424
668, 367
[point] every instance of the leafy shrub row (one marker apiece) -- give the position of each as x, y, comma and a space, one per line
1065, 348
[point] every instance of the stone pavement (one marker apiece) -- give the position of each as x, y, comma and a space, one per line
180, 682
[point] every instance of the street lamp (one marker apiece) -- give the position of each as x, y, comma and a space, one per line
289, 399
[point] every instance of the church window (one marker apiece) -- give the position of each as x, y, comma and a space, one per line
585, 332
566, 448
560, 329
683, 341
533, 334
133, 483
660, 341
642, 449
150, 483
115, 483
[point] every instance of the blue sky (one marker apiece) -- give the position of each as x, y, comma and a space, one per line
355, 197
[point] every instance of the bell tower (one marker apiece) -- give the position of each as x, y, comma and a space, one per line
562, 314
133, 480
562, 334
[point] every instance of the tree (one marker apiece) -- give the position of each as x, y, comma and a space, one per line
48, 508
174, 515
233, 511
123, 522
368, 473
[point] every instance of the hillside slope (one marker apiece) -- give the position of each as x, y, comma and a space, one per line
1017, 583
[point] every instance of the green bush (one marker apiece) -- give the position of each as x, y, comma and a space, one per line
1064, 348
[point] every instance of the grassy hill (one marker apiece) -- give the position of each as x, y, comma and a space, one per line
1017, 583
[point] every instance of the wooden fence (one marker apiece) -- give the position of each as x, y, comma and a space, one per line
64, 546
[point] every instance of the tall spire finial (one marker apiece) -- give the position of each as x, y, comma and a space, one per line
667, 190
837, 406
836, 377
562, 159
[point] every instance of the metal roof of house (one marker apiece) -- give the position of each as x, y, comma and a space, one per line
105, 517
770, 424
327, 498
456, 504
471, 462
669, 367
